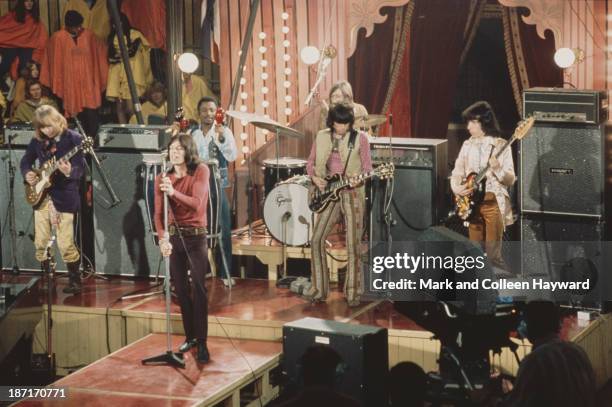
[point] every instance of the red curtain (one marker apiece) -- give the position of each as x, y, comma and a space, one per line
368, 67
436, 44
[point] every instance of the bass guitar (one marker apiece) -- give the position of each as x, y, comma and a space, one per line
318, 200
465, 206
35, 194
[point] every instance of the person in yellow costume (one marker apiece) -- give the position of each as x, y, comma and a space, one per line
194, 89
155, 109
117, 88
95, 16
34, 99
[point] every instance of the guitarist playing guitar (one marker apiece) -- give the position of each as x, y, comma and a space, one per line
338, 149
490, 218
52, 141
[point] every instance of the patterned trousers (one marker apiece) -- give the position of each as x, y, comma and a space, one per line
350, 206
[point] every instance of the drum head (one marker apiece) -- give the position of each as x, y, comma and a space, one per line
287, 215
285, 162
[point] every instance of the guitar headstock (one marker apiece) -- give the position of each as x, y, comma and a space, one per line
87, 143
523, 128
385, 170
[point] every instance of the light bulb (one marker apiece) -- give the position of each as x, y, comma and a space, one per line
188, 62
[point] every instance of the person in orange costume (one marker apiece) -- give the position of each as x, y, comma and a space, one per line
148, 17
22, 35
75, 68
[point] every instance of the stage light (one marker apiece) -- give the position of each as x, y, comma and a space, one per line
243, 95
263, 49
265, 103
287, 84
286, 43
264, 90
264, 76
288, 111
245, 149
287, 71
262, 35
288, 98
263, 63
285, 30
310, 55
188, 62
285, 16
286, 57
243, 108
565, 57
242, 81
243, 136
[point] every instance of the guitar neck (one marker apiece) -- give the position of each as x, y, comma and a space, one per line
66, 157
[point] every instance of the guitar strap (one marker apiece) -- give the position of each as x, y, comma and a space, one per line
351, 145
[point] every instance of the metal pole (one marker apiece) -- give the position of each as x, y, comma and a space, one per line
243, 54
125, 57
174, 45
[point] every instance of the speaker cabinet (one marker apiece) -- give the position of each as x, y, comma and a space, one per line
415, 199
563, 248
124, 243
562, 170
24, 218
363, 349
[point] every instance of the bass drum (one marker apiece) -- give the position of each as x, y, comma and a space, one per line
286, 211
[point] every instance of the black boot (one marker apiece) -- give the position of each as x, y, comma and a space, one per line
203, 355
74, 278
188, 344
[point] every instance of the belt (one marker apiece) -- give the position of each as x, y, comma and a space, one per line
186, 230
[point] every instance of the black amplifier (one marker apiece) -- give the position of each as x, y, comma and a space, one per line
134, 137
18, 134
566, 105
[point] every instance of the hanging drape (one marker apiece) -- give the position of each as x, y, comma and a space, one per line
529, 56
438, 35
368, 67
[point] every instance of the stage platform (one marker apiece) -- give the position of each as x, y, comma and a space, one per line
238, 374
269, 251
90, 326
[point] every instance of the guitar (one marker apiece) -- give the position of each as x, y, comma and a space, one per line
35, 194
318, 200
465, 205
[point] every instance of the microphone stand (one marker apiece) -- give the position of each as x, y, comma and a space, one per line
171, 358
11, 207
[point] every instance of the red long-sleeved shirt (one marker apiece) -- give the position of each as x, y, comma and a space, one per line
189, 202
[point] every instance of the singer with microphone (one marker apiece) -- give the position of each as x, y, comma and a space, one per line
338, 149
52, 140
186, 184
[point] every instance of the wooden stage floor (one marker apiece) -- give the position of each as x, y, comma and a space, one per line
120, 379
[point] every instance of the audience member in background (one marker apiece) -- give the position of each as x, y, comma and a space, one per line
155, 109
319, 364
194, 89
407, 385
3, 106
95, 15
139, 52
543, 322
18, 94
74, 67
25, 111
22, 36
555, 374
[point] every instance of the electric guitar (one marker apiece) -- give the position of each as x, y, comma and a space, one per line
35, 194
318, 200
465, 205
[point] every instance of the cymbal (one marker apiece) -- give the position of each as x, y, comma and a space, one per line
374, 120
275, 128
245, 116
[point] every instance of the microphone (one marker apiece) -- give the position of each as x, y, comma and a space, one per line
303, 220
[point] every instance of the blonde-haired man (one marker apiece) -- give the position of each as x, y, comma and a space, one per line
53, 139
